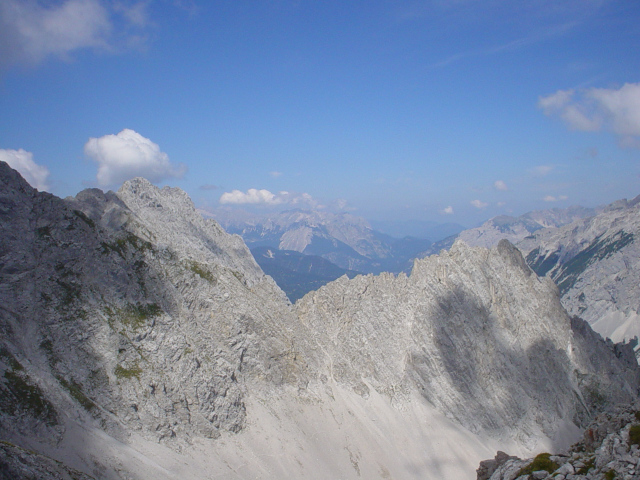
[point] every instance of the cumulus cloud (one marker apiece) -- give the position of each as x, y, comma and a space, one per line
253, 196
594, 109
500, 185
31, 30
447, 210
478, 204
128, 154
22, 161
551, 198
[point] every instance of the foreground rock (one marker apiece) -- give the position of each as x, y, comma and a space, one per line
609, 448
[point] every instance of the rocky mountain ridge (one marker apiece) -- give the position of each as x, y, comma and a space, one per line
594, 261
141, 341
512, 228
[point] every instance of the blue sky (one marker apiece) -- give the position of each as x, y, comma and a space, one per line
450, 111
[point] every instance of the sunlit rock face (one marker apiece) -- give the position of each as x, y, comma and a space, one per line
142, 341
596, 263
477, 333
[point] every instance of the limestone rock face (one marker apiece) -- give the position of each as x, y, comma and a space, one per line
596, 263
141, 341
471, 329
134, 312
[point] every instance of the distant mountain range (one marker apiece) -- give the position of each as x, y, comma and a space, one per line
511, 228
345, 240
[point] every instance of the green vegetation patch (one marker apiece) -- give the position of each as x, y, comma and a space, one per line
541, 462
75, 390
121, 245
201, 271
136, 315
588, 465
634, 435
610, 475
28, 397
10, 360
133, 372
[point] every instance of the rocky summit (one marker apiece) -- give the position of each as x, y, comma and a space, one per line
141, 341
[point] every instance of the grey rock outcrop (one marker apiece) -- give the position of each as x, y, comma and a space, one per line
609, 449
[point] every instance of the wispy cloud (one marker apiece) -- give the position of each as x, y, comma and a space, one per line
511, 46
31, 31
551, 198
128, 154
479, 204
596, 109
275, 174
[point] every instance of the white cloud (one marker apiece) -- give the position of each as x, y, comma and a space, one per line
128, 154
479, 204
253, 196
550, 198
447, 210
22, 161
500, 185
594, 109
275, 174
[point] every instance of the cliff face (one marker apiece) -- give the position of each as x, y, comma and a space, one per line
142, 341
478, 334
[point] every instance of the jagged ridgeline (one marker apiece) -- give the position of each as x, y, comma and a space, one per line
141, 341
